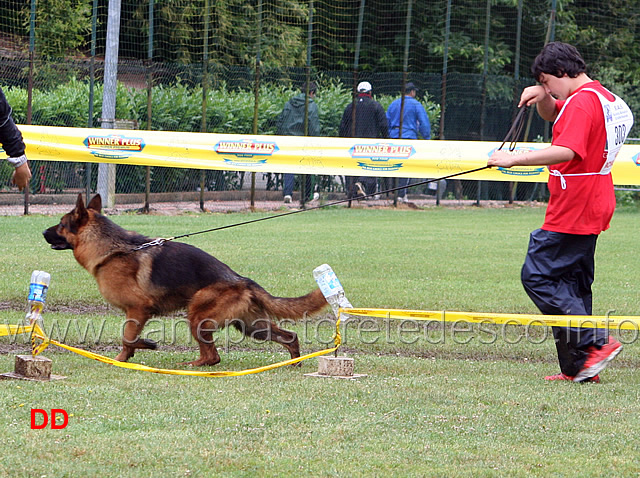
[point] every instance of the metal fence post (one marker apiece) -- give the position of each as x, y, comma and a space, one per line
92, 84
205, 92
107, 172
147, 179
256, 98
32, 41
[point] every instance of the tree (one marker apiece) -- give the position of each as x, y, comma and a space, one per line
61, 26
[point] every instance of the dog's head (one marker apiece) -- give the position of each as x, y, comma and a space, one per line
63, 235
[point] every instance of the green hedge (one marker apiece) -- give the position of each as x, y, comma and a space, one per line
174, 108
179, 108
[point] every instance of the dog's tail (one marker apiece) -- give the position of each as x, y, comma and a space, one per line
288, 307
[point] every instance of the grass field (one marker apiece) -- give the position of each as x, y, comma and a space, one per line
437, 401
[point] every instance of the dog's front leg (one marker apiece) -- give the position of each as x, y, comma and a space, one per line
131, 337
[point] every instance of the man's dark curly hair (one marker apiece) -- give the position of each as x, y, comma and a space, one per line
558, 59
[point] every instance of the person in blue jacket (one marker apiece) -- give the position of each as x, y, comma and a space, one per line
414, 121
13, 145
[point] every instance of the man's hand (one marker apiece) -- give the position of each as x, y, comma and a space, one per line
539, 96
21, 176
532, 95
501, 159
542, 157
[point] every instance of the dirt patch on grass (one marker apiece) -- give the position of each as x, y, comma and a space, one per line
271, 205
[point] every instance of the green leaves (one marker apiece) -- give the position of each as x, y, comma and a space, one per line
180, 107
62, 26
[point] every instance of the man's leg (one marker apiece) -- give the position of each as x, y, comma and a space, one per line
370, 184
308, 187
402, 182
557, 275
288, 187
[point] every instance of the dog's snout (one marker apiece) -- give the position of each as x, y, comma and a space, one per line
57, 242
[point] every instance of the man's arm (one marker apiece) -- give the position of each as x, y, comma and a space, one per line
543, 157
10, 135
545, 103
393, 114
344, 131
314, 120
381, 120
423, 121
281, 119
13, 144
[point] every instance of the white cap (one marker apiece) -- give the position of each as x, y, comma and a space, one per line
364, 86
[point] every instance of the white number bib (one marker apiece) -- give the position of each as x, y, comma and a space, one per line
618, 121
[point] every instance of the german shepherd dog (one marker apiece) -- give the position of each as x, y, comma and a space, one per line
159, 279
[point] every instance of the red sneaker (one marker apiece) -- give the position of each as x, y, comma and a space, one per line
598, 359
562, 376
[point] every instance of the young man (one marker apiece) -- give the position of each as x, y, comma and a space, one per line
13, 145
590, 125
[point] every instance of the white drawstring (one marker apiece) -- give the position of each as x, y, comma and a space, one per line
555, 172
563, 182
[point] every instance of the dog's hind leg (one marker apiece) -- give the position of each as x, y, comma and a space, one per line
131, 337
210, 310
202, 331
265, 329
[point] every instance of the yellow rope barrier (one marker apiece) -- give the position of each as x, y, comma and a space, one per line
14, 329
618, 322
38, 333
593, 321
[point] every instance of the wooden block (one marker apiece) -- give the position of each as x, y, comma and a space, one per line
38, 368
335, 366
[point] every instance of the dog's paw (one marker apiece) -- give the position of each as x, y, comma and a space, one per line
200, 363
124, 356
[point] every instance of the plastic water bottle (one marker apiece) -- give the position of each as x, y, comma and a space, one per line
37, 296
331, 288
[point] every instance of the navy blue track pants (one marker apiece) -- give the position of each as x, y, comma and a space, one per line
557, 275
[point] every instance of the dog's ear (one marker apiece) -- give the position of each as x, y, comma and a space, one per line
78, 215
95, 203
79, 201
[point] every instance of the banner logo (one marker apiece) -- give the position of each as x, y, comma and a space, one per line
520, 170
246, 149
636, 159
608, 116
113, 146
379, 154
381, 151
380, 167
246, 163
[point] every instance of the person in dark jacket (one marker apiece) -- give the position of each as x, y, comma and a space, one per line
291, 123
13, 145
370, 122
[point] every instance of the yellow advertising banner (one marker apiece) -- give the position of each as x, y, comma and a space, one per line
294, 154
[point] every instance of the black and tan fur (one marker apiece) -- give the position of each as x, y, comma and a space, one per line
160, 279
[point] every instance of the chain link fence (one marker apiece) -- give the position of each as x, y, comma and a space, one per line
230, 66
